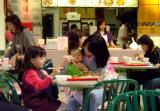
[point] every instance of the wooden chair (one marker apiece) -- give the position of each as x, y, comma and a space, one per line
111, 88
129, 101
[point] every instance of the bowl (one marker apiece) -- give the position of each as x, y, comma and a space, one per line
62, 77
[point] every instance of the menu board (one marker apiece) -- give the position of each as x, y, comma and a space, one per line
90, 3
149, 17
49, 3
85, 12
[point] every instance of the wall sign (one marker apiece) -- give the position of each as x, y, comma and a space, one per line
90, 3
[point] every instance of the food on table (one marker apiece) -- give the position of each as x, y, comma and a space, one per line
136, 62
47, 2
72, 2
120, 2
108, 2
87, 73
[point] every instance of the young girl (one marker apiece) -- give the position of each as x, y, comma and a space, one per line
36, 81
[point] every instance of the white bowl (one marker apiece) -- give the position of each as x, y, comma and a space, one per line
62, 77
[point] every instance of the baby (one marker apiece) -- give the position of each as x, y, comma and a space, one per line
75, 66
77, 59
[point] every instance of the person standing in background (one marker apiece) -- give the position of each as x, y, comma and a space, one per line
123, 35
22, 38
73, 27
101, 29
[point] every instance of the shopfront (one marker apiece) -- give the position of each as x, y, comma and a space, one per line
2, 27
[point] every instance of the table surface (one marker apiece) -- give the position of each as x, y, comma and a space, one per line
135, 67
75, 84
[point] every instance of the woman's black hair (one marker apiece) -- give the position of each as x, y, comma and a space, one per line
146, 40
98, 47
73, 40
32, 52
99, 22
14, 19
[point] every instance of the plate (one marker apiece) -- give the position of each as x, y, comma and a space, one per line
62, 77
83, 79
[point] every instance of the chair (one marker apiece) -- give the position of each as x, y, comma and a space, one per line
48, 64
111, 88
8, 88
129, 101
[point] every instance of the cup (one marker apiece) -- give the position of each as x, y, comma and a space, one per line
146, 60
114, 59
127, 59
5, 62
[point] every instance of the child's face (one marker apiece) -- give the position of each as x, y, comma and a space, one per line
38, 62
76, 54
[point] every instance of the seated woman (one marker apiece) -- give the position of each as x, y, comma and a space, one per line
95, 57
153, 53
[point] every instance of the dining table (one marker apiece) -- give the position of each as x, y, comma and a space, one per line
77, 85
129, 68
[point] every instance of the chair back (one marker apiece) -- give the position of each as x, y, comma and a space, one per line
8, 88
48, 64
130, 101
111, 88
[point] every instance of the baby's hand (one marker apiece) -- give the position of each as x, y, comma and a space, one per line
69, 58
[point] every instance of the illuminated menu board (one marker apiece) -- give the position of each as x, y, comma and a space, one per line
49, 3
90, 3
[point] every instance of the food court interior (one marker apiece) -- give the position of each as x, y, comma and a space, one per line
49, 21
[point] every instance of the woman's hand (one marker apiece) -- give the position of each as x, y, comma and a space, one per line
139, 56
19, 57
158, 65
112, 44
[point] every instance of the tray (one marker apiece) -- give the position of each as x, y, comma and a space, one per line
83, 79
117, 63
127, 64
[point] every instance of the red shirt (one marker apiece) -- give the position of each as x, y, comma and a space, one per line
33, 79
